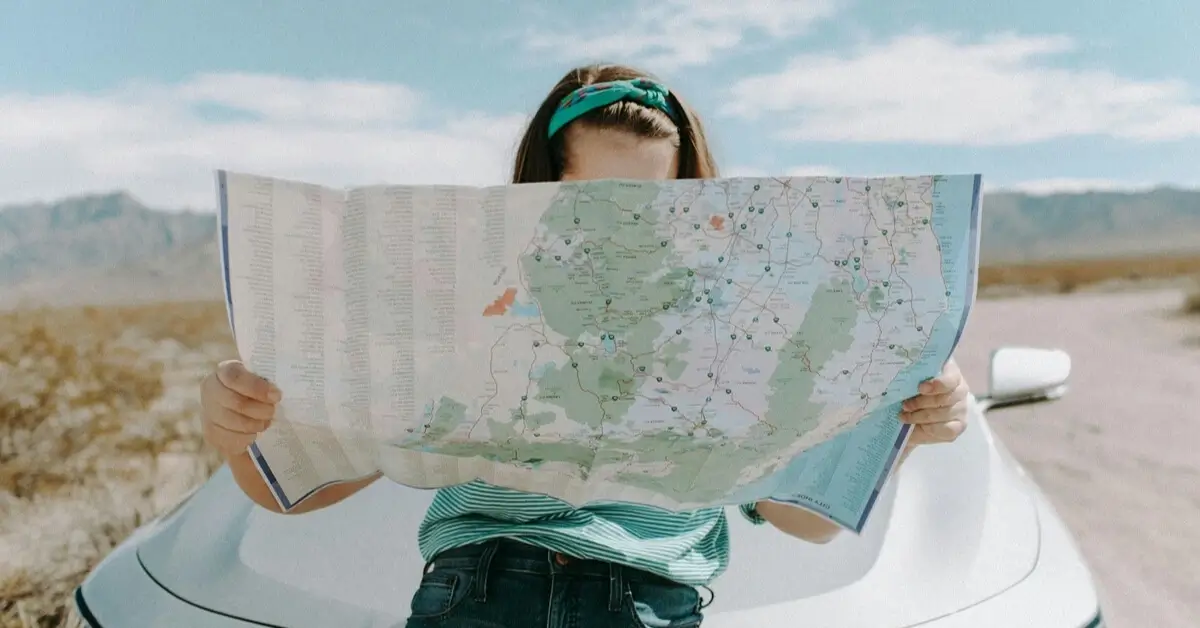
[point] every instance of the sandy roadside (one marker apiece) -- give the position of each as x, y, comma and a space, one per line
1120, 455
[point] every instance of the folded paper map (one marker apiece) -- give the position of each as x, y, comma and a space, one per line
682, 344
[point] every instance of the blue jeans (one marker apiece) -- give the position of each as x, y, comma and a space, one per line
507, 584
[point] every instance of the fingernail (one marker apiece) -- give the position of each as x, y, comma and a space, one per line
274, 394
925, 387
905, 417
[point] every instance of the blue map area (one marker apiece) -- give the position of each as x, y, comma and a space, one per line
842, 478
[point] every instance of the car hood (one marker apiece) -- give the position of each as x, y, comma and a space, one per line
956, 526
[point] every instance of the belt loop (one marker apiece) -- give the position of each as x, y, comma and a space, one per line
616, 586
482, 569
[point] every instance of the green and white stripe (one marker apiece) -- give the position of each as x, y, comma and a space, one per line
690, 547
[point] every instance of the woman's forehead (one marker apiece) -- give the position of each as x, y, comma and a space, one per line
597, 153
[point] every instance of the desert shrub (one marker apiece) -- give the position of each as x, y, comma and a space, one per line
98, 433
1191, 303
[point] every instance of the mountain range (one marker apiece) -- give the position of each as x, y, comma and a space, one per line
106, 248
110, 248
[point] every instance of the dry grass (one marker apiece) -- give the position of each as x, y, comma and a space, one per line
98, 432
1191, 304
1070, 275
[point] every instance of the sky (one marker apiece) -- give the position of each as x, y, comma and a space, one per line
151, 96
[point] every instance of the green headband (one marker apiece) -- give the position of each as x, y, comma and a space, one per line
596, 95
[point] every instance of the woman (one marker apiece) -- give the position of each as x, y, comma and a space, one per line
499, 557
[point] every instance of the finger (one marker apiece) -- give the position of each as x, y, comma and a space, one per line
929, 416
230, 401
947, 381
944, 432
236, 377
960, 393
931, 435
240, 423
924, 417
943, 400
923, 402
225, 441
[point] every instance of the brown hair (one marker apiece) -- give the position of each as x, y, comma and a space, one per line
541, 158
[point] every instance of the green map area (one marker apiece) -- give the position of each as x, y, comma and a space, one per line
603, 280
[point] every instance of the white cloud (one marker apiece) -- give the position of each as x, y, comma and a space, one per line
297, 100
940, 90
671, 34
1045, 187
162, 142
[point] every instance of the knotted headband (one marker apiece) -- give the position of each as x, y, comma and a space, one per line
596, 95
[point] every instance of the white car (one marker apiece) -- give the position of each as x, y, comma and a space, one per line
962, 537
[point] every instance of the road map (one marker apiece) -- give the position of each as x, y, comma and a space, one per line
681, 344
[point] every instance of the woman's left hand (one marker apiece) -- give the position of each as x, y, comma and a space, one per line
938, 413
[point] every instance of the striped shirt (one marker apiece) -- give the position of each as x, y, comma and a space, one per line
690, 547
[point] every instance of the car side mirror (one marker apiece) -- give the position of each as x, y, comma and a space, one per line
1021, 375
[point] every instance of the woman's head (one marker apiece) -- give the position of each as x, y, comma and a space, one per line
656, 136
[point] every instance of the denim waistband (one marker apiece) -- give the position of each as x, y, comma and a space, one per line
506, 555
510, 555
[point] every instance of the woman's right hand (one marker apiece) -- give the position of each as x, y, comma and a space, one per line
237, 406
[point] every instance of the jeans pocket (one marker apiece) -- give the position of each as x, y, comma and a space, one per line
439, 593
662, 605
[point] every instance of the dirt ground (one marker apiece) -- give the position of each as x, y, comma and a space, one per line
1119, 456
